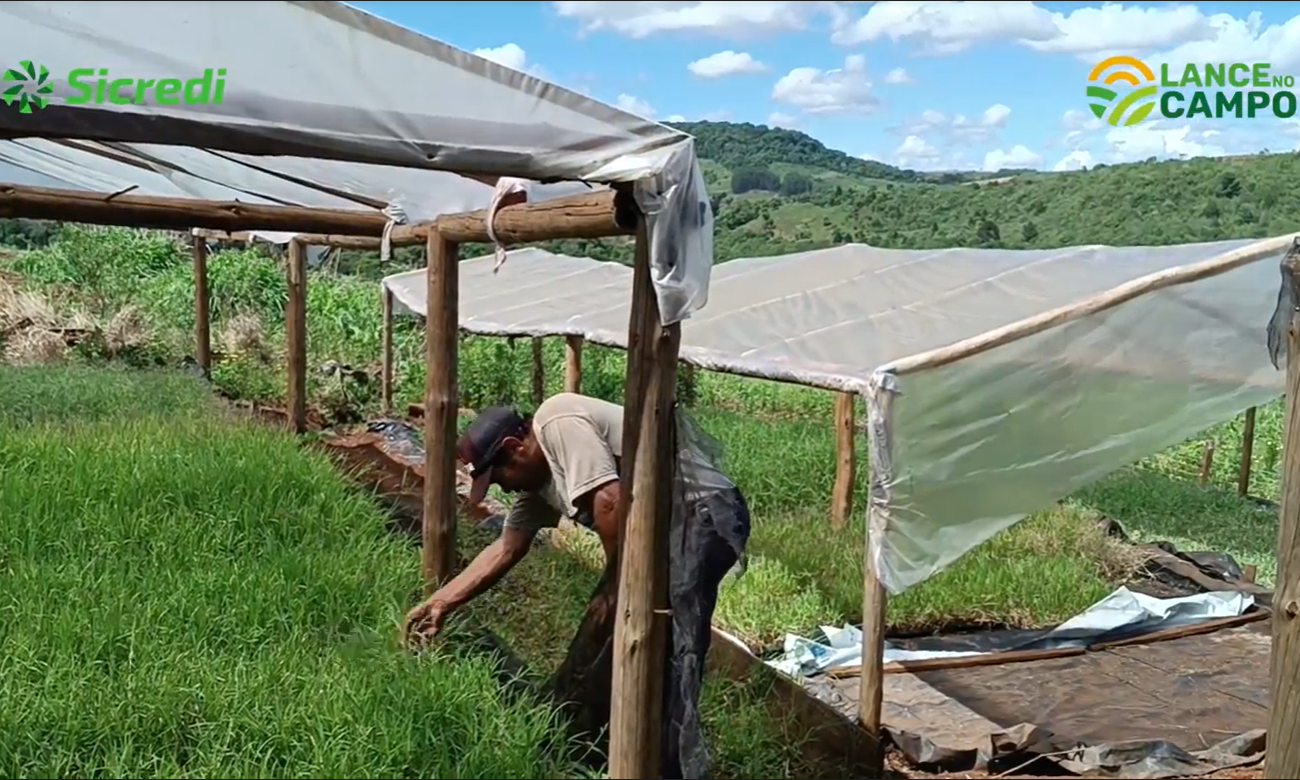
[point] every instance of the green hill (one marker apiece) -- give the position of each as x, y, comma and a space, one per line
776, 191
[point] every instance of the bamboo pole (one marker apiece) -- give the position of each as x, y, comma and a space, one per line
573, 364
539, 371
295, 332
1283, 758
202, 297
641, 625
845, 466
386, 351
147, 211
438, 550
1247, 453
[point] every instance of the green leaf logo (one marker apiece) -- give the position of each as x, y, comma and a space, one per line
1136, 103
27, 85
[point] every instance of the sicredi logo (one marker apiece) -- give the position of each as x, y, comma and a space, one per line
30, 87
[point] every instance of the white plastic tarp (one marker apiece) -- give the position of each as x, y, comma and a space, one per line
311, 81
976, 444
1122, 609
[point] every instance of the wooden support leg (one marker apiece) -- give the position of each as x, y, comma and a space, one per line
845, 466
573, 364
539, 372
295, 331
386, 352
202, 297
438, 551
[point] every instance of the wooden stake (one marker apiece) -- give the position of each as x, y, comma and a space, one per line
539, 372
107, 208
438, 554
386, 351
875, 602
1207, 463
1283, 757
598, 214
845, 466
1247, 453
295, 333
202, 318
641, 627
573, 364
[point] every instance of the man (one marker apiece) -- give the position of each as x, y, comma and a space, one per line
565, 461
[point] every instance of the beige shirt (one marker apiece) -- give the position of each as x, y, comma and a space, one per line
582, 438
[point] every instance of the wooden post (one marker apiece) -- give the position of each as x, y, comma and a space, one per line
875, 602
1247, 453
842, 493
1207, 463
539, 372
1283, 757
641, 627
438, 553
573, 364
386, 351
202, 297
295, 332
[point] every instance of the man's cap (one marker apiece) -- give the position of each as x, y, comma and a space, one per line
481, 443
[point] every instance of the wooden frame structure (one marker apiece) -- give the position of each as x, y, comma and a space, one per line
641, 625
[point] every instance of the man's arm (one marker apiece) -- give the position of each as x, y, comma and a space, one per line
488, 567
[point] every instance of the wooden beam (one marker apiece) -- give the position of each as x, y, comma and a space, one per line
295, 333
147, 211
202, 316
386, 350
438, 553
596, 214
1283, 758
641, 625
539, 371
401, 235
1247, 453
845, 462
573, 364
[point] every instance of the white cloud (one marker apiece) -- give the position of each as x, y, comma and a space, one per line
635, 105
1019, 156
510, 55
721, 115
898, 76
916, 152
725, 18
778, 119
843, 91
1178, 32
958, 128
1078, 160
1139, 142
726, 63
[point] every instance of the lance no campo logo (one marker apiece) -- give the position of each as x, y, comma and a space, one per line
27, 85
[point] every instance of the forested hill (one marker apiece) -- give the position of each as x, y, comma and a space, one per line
778, 191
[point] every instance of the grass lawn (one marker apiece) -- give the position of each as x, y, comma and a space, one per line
190, 595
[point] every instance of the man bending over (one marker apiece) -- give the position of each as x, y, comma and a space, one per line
565, 461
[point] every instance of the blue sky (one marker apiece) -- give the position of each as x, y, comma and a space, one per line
926, 85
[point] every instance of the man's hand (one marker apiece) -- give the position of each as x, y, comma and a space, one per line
424, 622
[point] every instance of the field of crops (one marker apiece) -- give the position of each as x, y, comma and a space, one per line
134, 290
145, 518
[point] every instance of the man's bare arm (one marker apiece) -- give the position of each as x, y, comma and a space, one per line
487, 568
603, 503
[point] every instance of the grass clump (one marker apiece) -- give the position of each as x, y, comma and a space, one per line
190, 595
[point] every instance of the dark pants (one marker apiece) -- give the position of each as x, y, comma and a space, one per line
704, 542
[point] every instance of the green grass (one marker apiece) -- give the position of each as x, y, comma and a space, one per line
191, 595
777, 440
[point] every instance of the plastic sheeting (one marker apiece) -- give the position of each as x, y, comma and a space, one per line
304, 83
979, 443
1123, 612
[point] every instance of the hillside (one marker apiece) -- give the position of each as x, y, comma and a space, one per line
776, 191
